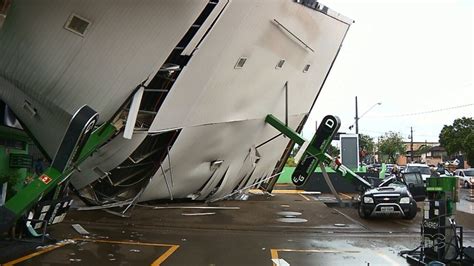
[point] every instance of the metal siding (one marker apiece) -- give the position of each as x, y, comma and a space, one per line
197, 147
210, 90
61, 71
221, 109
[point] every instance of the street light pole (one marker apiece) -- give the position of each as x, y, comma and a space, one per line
357, 117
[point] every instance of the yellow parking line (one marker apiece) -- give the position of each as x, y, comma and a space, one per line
165, 256
34, 254
306, 198
274, 253
157, 262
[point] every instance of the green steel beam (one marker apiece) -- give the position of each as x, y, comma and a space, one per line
319, 154
32, 193
285, 130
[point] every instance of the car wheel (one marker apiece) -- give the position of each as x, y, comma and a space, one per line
412, 213
466, 184
361, 212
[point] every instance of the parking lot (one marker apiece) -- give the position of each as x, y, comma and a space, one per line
251, 232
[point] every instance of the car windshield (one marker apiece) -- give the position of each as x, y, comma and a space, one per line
421, 169
469, 173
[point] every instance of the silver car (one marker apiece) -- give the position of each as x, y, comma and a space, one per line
466, 177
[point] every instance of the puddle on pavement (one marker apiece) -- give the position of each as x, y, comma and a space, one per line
287, 213
292, 220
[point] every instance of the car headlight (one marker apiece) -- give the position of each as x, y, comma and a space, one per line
368, 200
405, 200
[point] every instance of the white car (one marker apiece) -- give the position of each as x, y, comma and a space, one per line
423, 169
466, 177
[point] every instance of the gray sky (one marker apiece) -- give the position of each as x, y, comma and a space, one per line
412, 56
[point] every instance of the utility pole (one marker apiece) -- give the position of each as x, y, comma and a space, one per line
357, 118
411, 144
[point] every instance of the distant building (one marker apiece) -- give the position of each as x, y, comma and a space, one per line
424, 152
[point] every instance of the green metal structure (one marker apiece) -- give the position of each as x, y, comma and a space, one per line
54, 178
438, 232
15, 161
315, 154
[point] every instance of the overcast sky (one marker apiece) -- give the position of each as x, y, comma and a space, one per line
413, 56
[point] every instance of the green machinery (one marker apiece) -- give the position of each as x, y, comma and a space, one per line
15, 161
441, 237
315, 151
81, 139
438, 229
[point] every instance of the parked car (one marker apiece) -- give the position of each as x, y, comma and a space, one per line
466, 177
388, 169
423, 169
395, 196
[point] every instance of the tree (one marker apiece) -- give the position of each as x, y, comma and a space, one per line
457, 138
469, 148
366, 143
391, 145
366, 146
423, 149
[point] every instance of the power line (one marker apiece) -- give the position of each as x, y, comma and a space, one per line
425, 112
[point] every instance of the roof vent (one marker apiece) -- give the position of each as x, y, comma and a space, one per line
280, 64
306, 68
240, 63
77, 25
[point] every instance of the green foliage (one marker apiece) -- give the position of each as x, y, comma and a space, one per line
458, 138
469, 148
391, 145
366, 143
422, 150
290, 162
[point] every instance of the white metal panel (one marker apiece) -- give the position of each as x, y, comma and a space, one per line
107, 158
196, 147
210, 90
62, 71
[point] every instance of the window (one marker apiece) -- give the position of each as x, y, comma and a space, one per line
280, 64
240, 63
469, 173
306, 68
77, 25
413, 178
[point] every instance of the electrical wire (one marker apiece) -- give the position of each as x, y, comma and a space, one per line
424, 112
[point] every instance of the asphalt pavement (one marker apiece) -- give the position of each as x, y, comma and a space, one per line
285, 228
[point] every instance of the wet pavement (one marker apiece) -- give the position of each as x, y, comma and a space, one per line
250, 233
